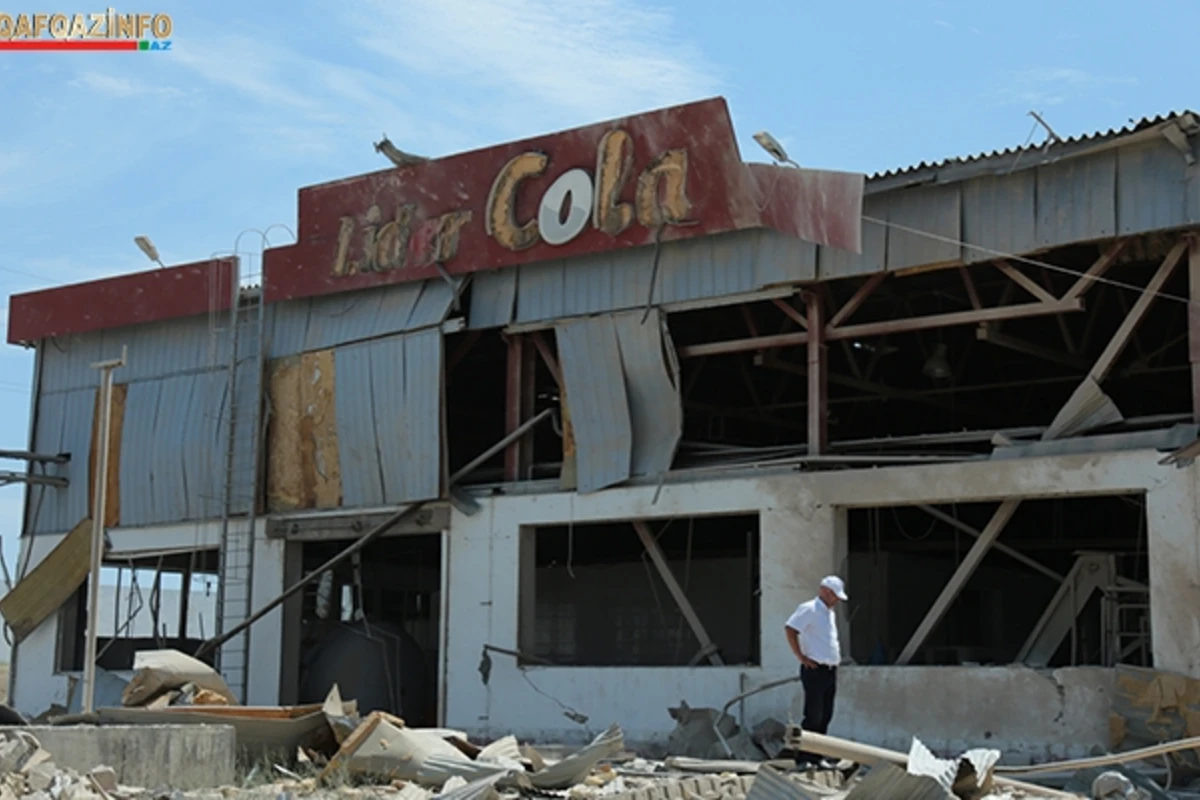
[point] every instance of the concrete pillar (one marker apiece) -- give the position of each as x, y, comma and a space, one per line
1173, 523
797, 550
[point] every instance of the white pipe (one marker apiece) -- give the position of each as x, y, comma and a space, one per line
99, 511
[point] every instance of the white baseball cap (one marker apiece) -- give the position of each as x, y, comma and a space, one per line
834, 584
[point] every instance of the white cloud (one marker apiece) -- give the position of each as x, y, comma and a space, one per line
589, 58
1051, 86
122, 87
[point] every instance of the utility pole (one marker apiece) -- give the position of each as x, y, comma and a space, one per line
99, 511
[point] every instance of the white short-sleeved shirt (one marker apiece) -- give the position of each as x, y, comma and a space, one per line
817, 629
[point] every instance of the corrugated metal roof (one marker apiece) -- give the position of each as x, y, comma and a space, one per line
1090, 138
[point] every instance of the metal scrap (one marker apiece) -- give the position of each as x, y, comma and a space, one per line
577, 766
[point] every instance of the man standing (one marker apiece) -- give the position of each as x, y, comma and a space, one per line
813, 636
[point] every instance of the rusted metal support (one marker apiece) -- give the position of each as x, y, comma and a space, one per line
1120, 339
1024, 281
1096, 271
959, 579
685, 606
818, 373
1193, 321
950, 320
986, 333
969, 284
857, 299
518, 405
744, 345
791, 312
548, 358
1033, 564
461, 351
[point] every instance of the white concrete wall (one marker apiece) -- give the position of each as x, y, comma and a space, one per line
35, 684
1026, 713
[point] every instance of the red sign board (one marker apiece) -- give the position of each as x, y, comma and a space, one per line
667, 175
141, 297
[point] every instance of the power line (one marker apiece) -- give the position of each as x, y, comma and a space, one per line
1022, 259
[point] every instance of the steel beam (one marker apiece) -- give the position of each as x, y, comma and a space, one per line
685, 606
1024, 281
1096, 271
1193, 322
518, 405
818, 374
986, 333
1120, 339
791, 312
911, 324
1033, 564
959, 579
857, 299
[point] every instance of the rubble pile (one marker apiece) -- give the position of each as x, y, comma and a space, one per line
27, 770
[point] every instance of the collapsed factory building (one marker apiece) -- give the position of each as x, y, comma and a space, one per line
638, 397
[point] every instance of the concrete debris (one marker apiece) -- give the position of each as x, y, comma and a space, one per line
1115, 786
157, 672
699, 733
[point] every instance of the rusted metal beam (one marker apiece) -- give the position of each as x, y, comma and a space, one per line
790, 310
461, 351
959, 579
1120, 339
857, 299
685, 605
744, 345
1096, 271
518, 399
1116, 345
910, 324
543, 348
882, 328
818, 371
1033, 564
1024, 281
972, 294
1193, 322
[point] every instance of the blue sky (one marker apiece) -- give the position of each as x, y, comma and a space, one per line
256, 99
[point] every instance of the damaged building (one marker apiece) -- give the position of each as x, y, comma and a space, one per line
636, 396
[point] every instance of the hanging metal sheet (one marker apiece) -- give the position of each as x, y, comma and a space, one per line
388, 408
652, 387
590, 358
623, 389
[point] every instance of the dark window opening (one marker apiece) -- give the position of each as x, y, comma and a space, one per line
476, 394
1009, 611
374, 624
592, 596
145, 604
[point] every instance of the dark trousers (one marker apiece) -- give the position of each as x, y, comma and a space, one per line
820, 688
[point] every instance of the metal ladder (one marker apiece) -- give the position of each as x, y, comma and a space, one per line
243, 428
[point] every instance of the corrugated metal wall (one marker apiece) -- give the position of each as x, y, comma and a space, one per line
623, 393
710, 268
387, 403
173, 441
300, 326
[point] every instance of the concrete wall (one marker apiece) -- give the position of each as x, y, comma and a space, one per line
802, 533
1029, 714
35, 684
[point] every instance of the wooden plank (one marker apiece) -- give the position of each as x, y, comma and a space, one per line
959, 579
685, 605
303, 466
112, 503
51, 583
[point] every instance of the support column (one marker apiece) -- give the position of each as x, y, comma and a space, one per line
1173, 535
518, 405
1193, 321
818, 396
